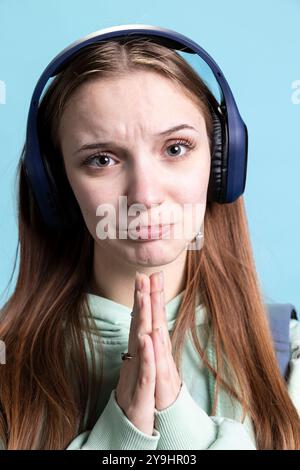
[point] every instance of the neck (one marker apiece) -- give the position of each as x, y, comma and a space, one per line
114, 278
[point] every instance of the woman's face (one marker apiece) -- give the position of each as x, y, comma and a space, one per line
134, 159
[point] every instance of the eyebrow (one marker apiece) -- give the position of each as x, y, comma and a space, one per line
96, 145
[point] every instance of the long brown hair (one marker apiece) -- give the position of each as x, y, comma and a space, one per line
46, 380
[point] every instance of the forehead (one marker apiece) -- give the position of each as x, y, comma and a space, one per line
145, 98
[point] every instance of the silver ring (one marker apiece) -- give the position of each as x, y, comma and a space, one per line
125, 356
131, 314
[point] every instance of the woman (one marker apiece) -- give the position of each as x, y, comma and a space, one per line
210, 380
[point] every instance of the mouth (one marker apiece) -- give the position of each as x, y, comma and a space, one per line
150, 232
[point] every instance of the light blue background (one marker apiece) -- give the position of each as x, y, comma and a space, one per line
257, 46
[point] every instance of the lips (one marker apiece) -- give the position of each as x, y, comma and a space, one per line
150, 231
152, 226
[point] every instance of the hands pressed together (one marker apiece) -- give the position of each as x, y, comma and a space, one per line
150, 380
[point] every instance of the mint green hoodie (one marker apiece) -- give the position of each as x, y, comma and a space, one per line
185, 424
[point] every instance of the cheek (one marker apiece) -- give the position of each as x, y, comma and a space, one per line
88, 195
191, 195
195, 188
98, 204
192, 185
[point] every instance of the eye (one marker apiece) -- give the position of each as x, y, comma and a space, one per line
103, 157
181, 143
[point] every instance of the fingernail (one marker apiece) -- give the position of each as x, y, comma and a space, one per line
161, 274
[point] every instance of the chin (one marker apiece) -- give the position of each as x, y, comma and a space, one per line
154, 253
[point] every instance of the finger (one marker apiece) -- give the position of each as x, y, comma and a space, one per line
146, 317
147, 373
159, 314
139, 321
156, 305
136, 309
159, 327
167, 381
165, 328
161, 357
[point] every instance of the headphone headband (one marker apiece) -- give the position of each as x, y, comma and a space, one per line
228, 170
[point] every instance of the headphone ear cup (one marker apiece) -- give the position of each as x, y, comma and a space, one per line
64, 200
217, 159
52, 182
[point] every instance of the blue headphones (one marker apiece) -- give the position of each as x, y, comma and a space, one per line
230, 137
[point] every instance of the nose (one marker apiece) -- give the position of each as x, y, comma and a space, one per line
145, 184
